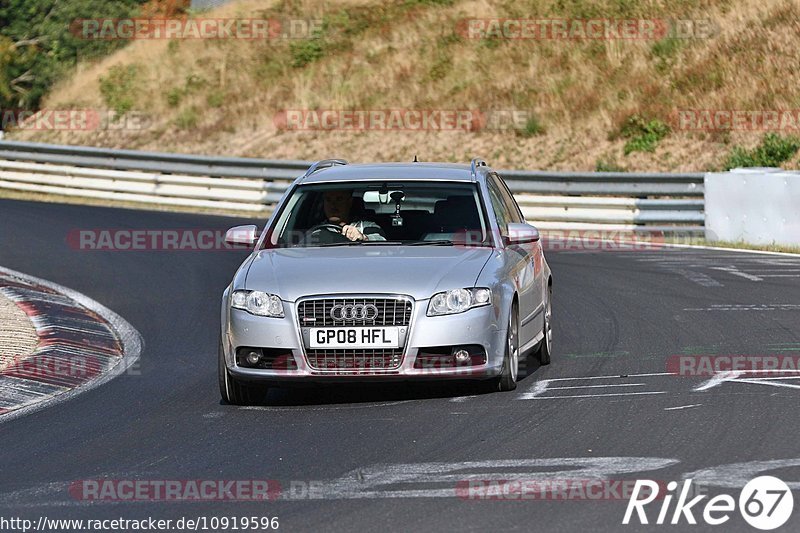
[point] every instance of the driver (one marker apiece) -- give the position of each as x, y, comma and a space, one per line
338, 211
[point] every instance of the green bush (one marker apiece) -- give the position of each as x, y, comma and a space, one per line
533, 127
772, 151
174, 96
441, 66
610, 165
215, 99
665, 51
119, 88
187, 119
307, 51
643, 135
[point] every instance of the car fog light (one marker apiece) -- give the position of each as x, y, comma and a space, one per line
253, 357
461, 357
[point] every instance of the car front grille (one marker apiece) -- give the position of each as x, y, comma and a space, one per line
391, 311
355, 360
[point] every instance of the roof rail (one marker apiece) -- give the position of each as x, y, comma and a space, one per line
477, 162
323, 163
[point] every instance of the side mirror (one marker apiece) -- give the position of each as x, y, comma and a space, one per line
521, 233
247, 235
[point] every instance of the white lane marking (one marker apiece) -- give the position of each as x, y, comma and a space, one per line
597, 386
780, 275
466, 480
682, 407
735, 376
769, 371
771, 378
543, 386
420, 480
540, 387
614, 376
736, 272
746, 307
696, 277
736, 476
461, 399
689, 247
131, 340
766, 381
594, 395
370, 405
716, 380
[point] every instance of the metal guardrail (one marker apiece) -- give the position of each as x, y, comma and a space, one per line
579, 200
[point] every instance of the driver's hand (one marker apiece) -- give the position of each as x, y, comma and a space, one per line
352, 233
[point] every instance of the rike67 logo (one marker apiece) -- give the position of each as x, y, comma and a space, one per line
765, 503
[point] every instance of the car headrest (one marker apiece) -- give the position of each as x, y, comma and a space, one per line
459, 211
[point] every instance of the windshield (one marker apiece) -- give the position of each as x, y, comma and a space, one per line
381, 213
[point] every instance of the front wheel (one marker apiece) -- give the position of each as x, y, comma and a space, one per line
546, 346
507, 380
235, 391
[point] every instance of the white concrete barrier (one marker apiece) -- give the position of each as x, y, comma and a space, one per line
753, 205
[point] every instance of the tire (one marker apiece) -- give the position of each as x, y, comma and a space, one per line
235, 391
507, 380
546, 346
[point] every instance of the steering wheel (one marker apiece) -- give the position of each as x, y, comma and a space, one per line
332, 233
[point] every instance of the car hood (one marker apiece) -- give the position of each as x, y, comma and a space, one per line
418, 271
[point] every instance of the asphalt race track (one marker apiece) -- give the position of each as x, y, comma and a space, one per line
375, 458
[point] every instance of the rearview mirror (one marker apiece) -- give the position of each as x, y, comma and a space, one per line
521, 233
242, 235
379, 197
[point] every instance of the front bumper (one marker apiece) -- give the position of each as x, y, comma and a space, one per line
478, 326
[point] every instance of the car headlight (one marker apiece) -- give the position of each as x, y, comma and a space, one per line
458, 301
258, 303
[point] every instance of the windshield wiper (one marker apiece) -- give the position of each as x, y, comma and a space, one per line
444, 242
441, 242
359, 243
344, 243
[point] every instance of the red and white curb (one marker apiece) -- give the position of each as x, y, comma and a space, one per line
82, 344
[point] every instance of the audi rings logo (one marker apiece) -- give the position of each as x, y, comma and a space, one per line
354, 312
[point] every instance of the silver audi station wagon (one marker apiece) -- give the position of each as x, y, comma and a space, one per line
397, 271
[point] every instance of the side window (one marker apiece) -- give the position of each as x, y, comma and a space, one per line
499, 207
515, 215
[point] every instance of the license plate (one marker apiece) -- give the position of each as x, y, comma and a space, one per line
354, 338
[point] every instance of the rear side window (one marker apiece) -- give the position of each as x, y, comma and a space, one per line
514, 213
500, 208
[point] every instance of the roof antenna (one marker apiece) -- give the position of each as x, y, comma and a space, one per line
415, 159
